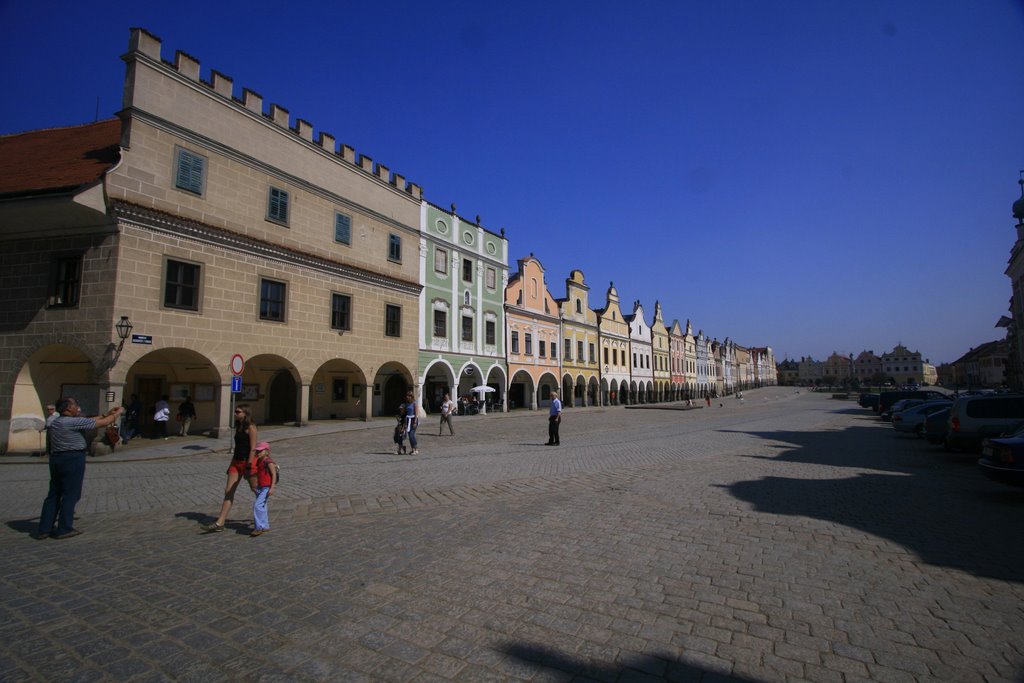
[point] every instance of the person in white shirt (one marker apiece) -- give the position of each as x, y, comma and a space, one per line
447, 408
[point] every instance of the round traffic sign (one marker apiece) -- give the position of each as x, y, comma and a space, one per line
237, 364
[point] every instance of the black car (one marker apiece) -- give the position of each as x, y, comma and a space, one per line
868, 401
936, 426
1003, 458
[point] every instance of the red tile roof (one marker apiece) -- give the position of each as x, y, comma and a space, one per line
58, 159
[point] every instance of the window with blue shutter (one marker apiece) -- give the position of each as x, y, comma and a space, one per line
189, 173
277, 205
342, 228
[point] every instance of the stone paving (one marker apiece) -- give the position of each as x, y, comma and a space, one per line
787, 537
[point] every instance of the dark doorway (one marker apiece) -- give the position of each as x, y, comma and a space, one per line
395, 390
281, 398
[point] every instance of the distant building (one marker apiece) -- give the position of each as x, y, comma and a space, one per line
789, 372
903, 366
982, 367
867, 367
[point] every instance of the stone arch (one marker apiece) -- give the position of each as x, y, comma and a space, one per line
339, 391
390, 386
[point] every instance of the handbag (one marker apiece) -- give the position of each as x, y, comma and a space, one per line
113, 436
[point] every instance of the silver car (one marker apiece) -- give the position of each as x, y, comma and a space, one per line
911, 420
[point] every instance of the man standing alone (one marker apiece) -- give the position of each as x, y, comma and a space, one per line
447, 407
67, 466
554, 419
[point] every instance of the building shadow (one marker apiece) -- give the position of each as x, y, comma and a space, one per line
936, 505
638, 668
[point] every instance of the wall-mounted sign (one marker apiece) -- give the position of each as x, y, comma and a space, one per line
236, 384
142, 339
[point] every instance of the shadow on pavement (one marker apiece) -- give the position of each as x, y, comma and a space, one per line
939, 507
638, 668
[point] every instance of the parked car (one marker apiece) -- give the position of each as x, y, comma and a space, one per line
1002, 459
936, 426
973, 419
868, 400
911, 420
899, 406
887, 398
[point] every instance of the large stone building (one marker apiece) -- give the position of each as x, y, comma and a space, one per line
216, 226
464, 272
1015, 323
581, 372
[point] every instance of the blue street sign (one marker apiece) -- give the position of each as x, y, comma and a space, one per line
236, 384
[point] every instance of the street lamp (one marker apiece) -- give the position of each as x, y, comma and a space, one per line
123, 328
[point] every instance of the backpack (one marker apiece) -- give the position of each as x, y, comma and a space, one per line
268, 464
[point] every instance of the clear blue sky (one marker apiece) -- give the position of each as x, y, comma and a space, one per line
813, 175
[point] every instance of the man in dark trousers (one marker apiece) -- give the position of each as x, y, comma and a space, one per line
554, 419
67, 466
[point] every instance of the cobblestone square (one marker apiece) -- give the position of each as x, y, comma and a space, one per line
785, 537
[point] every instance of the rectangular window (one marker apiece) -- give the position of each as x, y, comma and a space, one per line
579, 352
467, 328
440, 261
341, 312
467, 270
277, 205
490, 332
542, 348
67, 282
605, 355
529, 344
554, 350
634, 361
181, 286
394, 248
492, 278
441, 324
189, 172
568, 350
392, 320
342, 228
515, 342
272, 300
593, 359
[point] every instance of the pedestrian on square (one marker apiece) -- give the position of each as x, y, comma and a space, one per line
161, 414
51, 415
554, 420
411, 422
131, 419
242, 466
447, 408
263, 487
400, 432
186, 413
67, 466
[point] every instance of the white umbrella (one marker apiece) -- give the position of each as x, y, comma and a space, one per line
482, 389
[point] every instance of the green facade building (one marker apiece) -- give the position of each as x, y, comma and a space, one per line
464, 272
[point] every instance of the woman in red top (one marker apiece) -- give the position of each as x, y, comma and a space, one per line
243, 463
